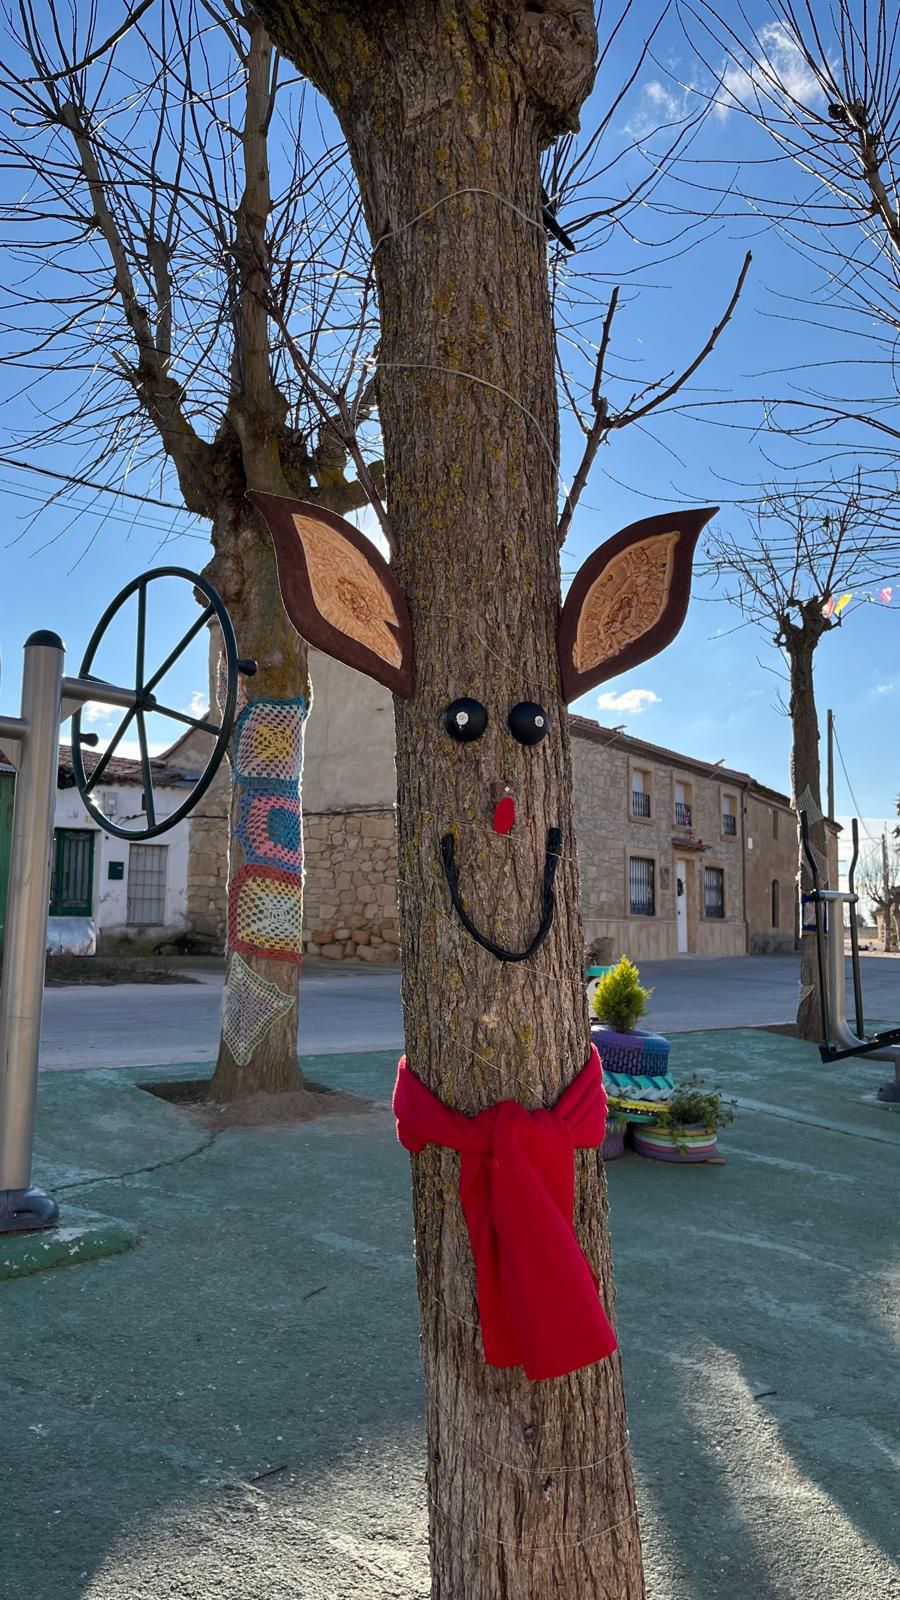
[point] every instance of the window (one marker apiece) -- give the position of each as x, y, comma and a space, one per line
640, 793
729, 815
713, 892
776, 901
683, 813
642, 886
774, 824
72, 887
147, 884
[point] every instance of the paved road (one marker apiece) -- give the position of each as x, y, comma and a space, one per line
345, 1008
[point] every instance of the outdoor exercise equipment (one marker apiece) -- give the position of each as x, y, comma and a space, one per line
838, 1039
32, 745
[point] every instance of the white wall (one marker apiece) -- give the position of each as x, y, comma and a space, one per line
111, 895
349, 755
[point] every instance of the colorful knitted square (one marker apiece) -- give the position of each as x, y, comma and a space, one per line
268, 740
250, 1007
269, 826
265, 913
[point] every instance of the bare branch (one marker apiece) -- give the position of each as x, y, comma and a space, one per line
605, 423
99, 51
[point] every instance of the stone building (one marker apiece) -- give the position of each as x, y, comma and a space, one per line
677, 856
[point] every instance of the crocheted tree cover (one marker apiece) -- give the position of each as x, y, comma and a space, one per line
269, 825
268, 741
265, 909
251, 1004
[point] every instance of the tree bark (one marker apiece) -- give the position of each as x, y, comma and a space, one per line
806, 776
529, 1485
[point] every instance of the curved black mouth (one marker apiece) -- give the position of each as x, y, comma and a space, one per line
548, 904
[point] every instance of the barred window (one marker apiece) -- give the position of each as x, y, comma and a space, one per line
683, 814
640, 793
776, 903
729, 817
642, 886
147, 884
713, 892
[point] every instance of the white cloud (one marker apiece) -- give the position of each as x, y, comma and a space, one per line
779, 72
633, 700
885, 688
199, 704
660, 104
95, 712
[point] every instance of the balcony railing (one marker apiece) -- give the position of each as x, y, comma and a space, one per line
640, 803
683, 814
729, 823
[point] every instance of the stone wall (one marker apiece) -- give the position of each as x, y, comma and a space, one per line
608, 834
350, 887
207, 869
771, 858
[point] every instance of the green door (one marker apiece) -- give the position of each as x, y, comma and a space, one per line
72, 889
7, 790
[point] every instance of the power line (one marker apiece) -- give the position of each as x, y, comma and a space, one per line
122, 515
850, 786
88, 483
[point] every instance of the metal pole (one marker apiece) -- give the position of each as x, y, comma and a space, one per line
820, 927
831, 766
886, 889
854, 935
22, 1207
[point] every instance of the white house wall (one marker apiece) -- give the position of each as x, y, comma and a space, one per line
110, 896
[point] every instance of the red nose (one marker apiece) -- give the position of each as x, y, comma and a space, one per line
504, 814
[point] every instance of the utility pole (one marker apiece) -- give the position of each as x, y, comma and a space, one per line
886, 891
830, 747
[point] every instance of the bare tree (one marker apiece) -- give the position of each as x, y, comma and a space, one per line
167, 222
790, 577
884, 899
821, 81
447, 112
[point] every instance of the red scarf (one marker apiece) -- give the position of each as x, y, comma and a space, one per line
538, 1297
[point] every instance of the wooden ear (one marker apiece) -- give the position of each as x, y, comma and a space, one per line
338, 590
629, 599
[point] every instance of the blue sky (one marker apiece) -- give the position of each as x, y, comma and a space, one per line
713, 693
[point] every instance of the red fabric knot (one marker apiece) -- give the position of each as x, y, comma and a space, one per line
538, 1296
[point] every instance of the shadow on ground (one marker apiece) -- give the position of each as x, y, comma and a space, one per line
234, 1409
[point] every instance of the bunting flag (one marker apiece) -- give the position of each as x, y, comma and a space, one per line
833, 608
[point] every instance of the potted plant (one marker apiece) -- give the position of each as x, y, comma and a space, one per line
620, 999
613, 1145
685, 1129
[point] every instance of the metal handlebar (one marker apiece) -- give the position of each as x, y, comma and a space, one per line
854, 937
816, 898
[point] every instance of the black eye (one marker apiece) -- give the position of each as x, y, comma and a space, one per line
528, 723
465, 720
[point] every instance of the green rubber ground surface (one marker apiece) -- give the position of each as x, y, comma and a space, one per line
234, 1408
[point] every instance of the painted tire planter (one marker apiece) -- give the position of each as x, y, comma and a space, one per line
645, 1054
662, 1144
613, 1145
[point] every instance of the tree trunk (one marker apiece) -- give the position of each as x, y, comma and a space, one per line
529, 1484
258, 1047
806, 784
